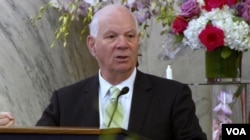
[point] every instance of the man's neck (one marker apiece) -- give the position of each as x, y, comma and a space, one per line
117, 77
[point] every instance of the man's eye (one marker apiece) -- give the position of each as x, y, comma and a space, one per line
110, 36
131, 36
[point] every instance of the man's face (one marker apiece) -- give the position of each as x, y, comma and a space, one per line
116, 45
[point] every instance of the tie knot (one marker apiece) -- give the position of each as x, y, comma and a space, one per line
114, 92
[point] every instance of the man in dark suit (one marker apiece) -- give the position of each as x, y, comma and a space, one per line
154, 107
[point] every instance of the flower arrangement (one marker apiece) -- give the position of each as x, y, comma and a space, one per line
83, 11
212, 24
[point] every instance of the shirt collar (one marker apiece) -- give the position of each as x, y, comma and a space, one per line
105, 85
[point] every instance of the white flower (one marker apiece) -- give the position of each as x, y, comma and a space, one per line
237, 32
194, 28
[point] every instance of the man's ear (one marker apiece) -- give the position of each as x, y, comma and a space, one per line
91, 45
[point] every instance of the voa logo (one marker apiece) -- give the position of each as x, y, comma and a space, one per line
236, 131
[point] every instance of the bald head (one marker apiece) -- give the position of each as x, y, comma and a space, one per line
110, 12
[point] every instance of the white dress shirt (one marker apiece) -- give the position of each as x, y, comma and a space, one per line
125, 100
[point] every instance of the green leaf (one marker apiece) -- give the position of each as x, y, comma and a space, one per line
163, 32
226, 52
42, 9
178, 39
238, 92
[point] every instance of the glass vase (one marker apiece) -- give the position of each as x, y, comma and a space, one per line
219, 69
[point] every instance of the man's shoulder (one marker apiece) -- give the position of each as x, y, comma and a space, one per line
159, 80
82, 84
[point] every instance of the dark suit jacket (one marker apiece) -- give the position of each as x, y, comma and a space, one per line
161, 109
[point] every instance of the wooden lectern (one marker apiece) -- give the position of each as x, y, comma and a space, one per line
64, 133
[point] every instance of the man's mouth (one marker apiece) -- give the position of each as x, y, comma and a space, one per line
121, 58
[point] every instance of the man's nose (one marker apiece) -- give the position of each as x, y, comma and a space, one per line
122, 42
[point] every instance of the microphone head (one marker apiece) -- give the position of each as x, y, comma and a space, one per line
124, 90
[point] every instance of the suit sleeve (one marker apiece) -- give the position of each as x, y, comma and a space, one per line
185, 122
50, 116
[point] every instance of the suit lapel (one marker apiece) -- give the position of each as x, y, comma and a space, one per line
91, 104
141, 100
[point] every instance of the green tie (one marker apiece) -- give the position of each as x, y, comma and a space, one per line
117, 120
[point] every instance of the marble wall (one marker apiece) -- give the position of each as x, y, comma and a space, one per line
30, 70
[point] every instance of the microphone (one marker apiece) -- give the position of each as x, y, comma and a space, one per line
123, 91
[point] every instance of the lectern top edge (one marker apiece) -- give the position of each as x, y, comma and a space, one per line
60, 130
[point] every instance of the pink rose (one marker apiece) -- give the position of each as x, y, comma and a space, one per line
189, 9
210, 4
179, 25
212, 37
